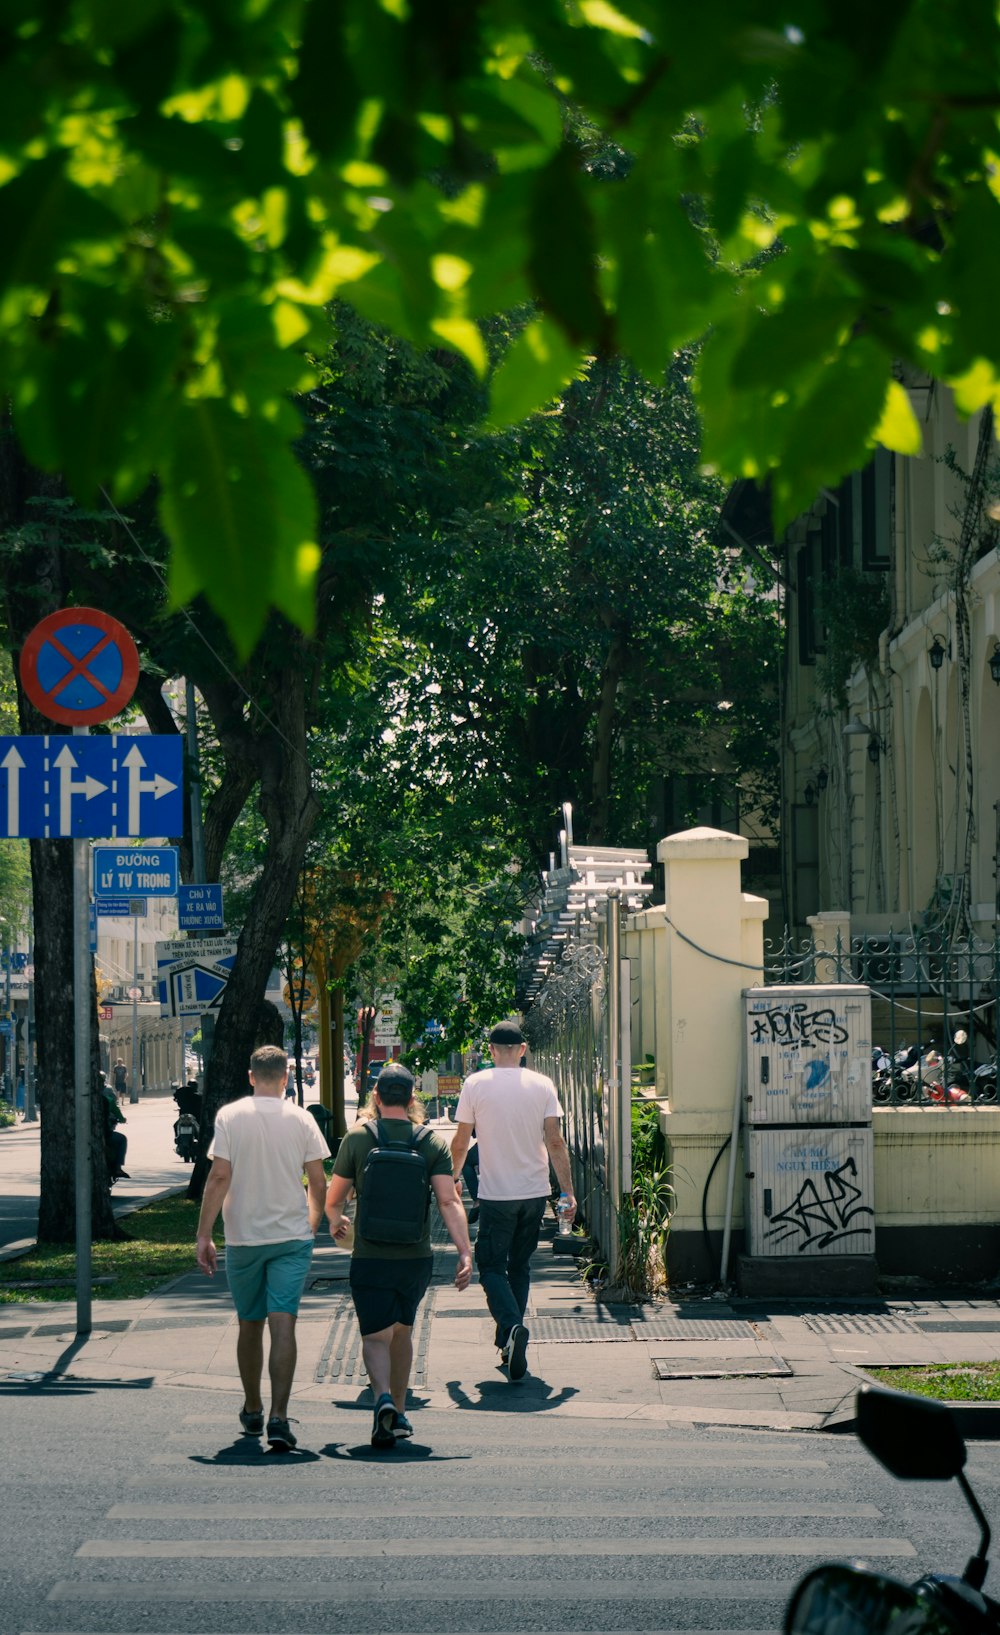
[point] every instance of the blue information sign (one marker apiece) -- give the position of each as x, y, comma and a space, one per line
122, 908
139, 871
199, 908
88, 787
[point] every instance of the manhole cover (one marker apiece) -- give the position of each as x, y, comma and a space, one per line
681, 1328
584, 1330
958, 1325
860, 1325
702, 1368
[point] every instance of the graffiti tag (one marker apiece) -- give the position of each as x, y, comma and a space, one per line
817, 1220
795, 1026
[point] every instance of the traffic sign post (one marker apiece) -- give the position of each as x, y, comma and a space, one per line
199, 908
77, 666
192, 976
139, 871
102, 788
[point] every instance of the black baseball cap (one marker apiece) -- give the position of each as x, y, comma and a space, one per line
506, 1033
395, 1085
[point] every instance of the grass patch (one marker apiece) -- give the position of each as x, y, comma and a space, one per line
162, 1246
948, 1382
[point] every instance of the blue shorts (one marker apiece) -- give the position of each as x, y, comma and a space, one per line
266, 1277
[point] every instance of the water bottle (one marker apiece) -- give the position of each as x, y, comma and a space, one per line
564, 1215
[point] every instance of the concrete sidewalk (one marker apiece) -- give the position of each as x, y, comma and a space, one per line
781, 1366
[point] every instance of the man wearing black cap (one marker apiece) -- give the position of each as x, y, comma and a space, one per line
389, 1279
516, 1115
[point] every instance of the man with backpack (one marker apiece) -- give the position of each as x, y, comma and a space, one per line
393, 1164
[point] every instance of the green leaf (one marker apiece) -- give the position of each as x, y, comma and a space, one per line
779, 344
832, 428
241, 517
44, 216
539, 365
898, 428
563, 263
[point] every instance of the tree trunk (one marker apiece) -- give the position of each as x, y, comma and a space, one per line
289, 808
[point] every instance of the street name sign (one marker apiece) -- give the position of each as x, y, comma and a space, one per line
142, 871
192, 976
199, 907
79, 666
88, 787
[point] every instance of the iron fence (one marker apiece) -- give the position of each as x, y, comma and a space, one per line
934, 1009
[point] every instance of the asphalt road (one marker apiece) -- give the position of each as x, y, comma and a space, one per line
128, 1509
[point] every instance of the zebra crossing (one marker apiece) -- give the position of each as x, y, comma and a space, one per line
488, 1523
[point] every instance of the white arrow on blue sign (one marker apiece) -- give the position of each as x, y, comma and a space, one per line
144, 871
100, 786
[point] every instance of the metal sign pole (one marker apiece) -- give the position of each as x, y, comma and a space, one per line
134, 1093
614, 1141
81, 1063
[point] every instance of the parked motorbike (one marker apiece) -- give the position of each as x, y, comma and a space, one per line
187, 1124
916, 1439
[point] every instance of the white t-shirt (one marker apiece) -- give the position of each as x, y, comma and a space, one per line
268, 1140
508, 1106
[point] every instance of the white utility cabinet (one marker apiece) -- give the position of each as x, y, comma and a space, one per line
808, 1054
807, 1116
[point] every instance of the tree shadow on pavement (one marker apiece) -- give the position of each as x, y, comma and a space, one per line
533, 1396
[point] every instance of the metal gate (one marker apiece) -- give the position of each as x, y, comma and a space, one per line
578, 1026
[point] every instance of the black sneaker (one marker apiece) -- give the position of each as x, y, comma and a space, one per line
515, 1352
384, 1428
402, 1427
252, 1420
280, 1435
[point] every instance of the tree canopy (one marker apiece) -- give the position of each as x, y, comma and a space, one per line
184, 187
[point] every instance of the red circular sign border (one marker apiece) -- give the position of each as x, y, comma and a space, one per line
36, 639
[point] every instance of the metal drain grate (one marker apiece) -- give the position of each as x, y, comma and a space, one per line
681, 1328
584, 1330
860, 1325
713, 1368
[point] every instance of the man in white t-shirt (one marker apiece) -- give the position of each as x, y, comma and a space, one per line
516, 1115
262, 1146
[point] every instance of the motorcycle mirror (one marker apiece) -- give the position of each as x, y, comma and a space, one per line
915, 1438
960, 1037
853, 1602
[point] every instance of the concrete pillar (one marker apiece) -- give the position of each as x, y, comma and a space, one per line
831, 930
710, 949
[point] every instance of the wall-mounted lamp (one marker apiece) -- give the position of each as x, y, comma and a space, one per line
937, 652
874, 749
994, 661
809, 793
822, 779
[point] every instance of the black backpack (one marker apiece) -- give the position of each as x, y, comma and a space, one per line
395, 1192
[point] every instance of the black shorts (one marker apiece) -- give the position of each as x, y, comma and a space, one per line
388, 1291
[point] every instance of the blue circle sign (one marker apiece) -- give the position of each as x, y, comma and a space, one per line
79, 666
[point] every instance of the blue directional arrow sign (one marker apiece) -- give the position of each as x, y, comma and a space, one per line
142, 871
192, 976
106, 786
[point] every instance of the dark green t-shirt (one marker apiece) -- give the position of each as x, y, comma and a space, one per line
350, 1162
